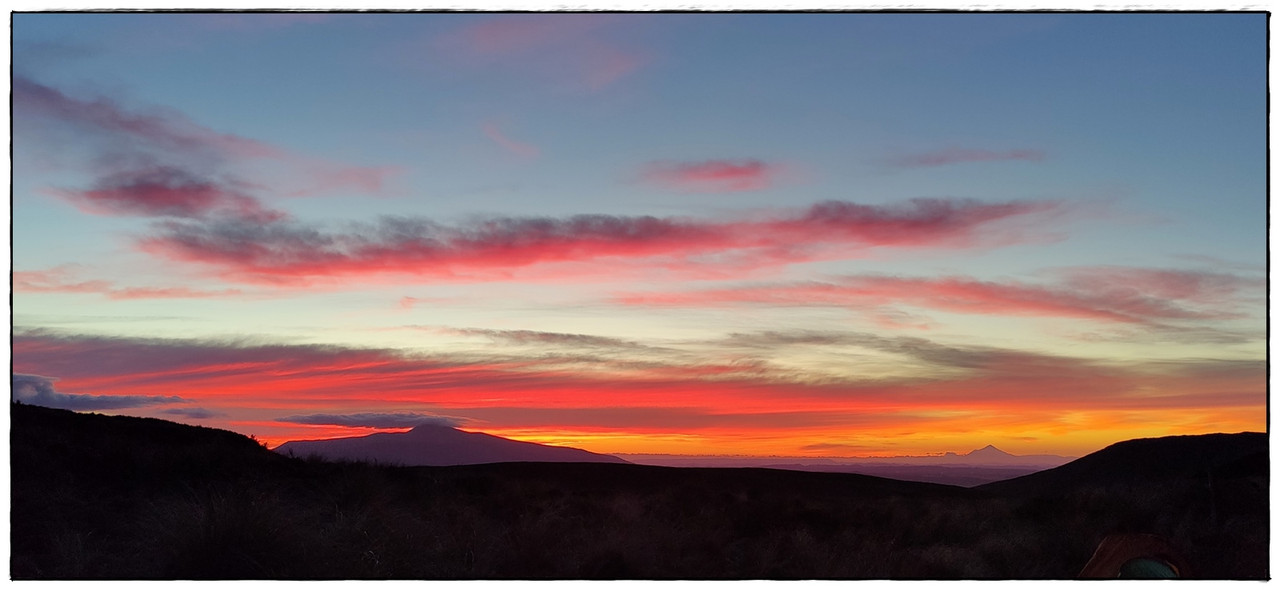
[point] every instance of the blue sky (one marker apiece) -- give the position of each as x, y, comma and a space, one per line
597, 201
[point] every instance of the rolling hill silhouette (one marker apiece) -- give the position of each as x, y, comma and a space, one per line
121, 498
1199, 457
438, 445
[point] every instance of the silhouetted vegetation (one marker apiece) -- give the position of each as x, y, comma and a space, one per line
103, 497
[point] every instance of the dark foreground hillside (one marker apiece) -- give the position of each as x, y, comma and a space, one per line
100, 497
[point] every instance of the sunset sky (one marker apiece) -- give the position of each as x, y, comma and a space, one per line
766, 234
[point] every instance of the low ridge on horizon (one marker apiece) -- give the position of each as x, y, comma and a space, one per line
988, 451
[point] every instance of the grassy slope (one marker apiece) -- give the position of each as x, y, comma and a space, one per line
112, 497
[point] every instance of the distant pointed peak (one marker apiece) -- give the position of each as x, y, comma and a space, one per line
988, 450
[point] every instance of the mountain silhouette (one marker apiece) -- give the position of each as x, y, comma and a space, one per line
988, 452
438, 445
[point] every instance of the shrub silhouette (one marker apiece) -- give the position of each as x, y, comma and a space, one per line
104, 497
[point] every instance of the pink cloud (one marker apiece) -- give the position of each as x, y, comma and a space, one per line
575, 48
1137, 296
169, 293
963, 155
518, 33
714, 176
291, 252
518, 148
61, 280
610, 65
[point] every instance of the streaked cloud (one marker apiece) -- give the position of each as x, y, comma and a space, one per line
956, 155
547, 338
1110, 294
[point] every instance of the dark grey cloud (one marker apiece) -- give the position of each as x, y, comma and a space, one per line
39, 391
196, 413
374, 420
168, 191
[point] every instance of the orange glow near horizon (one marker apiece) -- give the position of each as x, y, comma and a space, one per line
285, 393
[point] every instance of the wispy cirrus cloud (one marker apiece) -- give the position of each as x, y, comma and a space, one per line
1110, 294
713, 176
533, 337
957, 155
922, 349
491, 249
114, 127
63, 280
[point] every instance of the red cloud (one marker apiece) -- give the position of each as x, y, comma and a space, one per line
961, 155
715, 176
291, 251
168, 192
1126, 295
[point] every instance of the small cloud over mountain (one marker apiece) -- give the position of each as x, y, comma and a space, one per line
374, 420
